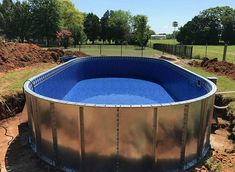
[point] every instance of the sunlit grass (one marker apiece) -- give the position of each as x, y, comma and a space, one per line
12, 81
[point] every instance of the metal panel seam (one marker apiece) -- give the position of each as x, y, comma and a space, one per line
37, 127
82, 138
155, 129
117, 140
54, 133
184, 135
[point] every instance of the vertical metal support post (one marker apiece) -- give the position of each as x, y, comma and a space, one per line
54, 133
117, 140
30, 117
82, 140
210, 119
155, 131
225, 52
37, 122
200, 134
184, 136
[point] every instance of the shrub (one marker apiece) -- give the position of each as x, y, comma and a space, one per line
64, 37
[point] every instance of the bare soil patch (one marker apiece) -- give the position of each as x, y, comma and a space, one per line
16, 55
11, 105
215, 66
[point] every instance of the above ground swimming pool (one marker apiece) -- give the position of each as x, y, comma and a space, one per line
99, 114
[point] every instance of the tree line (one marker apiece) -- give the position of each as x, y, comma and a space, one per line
58, 20
212, 26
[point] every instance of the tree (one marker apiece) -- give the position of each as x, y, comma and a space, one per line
141, 29
78, 34
226, 16
6, 16
72, 19
70, 15
22, 20
209, 26
63, 37
201, 30
120, 25
92, 27
46, 19
105, 27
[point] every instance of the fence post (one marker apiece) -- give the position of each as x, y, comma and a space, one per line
121, 49
225, 51
191, 53
206, 50
100, 50
142, 51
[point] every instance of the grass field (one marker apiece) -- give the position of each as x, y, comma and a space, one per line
164, 41
224, 83
199, 51
115, 50
12, 82
214, 52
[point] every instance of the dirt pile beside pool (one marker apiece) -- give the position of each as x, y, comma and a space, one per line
11, 105
16, 55
213, 65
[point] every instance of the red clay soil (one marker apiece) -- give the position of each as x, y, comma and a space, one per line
215, 66
12, 105
15, 55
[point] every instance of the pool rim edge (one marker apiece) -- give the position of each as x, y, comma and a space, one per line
30, 81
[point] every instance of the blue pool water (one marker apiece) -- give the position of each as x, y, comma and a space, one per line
118, 91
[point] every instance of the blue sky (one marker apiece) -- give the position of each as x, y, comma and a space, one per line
161, 13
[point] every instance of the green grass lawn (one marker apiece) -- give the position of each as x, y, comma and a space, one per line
12, 81
199, 50
224, 83
164, 41
215, 52
115, 50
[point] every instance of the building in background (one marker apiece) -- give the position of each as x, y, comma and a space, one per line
158, 37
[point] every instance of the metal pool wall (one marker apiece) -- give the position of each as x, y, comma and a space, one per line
117, 138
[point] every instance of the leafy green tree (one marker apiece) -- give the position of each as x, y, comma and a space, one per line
226, 16
120, 25
209, 26
201, 30
46, 19
6, 16
92, 27
70, 15
105, 27
141, 29
78, 34
22, 20
72, 19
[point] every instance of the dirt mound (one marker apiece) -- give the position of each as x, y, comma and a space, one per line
76, 53
11, 105
213, 65
15, 55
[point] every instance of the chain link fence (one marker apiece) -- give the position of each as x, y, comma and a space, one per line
117, 50
183, 51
